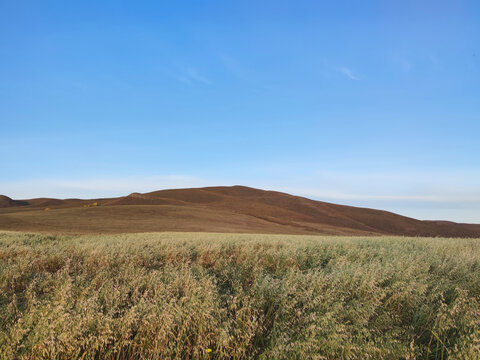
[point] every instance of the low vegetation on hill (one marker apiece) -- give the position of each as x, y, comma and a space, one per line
225, 209
230, 296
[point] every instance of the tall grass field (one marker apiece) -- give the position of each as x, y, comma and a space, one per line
231, 296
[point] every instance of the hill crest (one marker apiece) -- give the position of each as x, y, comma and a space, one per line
215, 209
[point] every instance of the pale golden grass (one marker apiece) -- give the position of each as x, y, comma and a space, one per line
216, 296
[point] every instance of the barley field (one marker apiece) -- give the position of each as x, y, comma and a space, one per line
232, 296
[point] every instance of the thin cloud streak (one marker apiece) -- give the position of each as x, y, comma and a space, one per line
347, 72
96, 187
473, 198
234, 66
192, 76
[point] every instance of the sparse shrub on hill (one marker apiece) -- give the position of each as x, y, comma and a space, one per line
94, 204
206, 296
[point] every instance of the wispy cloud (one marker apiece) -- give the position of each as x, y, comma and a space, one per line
347, 72
405, 65
245, 74
233, 66
192, 76
184, 79
403, 62
444, 198
96, 187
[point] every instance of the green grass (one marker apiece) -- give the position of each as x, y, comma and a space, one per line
177, 295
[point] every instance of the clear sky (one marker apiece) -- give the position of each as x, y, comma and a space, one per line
368, 103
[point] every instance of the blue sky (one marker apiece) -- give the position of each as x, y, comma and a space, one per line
374, 104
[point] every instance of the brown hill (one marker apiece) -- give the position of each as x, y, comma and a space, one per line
216, 209
6, 202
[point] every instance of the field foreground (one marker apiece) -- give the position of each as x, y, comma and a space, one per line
214, 296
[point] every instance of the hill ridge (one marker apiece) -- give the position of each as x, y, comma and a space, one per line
215, 209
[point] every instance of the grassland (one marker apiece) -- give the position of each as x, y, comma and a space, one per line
215, 296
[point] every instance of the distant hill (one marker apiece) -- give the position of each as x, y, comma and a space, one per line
6, 202
215, 209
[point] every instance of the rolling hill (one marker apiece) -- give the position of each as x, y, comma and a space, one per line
215, 209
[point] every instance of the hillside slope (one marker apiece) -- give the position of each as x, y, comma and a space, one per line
216, 209
6, 202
